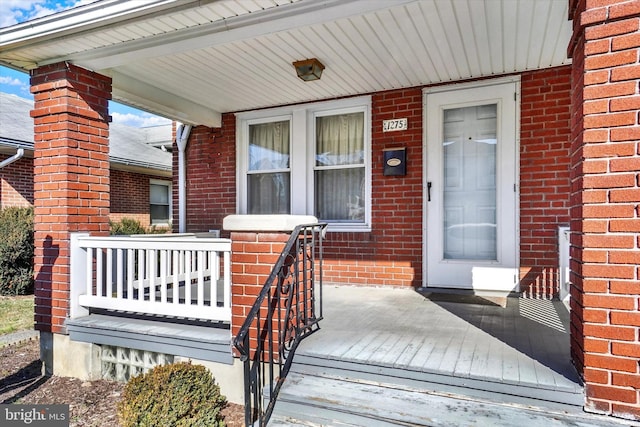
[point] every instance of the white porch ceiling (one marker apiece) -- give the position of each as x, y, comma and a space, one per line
192, 60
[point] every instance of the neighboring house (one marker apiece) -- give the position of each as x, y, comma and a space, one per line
447, 143
140, 176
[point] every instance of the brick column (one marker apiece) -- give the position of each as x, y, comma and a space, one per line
253, 257
256, 244
605, 213
71, 177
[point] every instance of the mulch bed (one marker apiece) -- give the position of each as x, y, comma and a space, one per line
91, 403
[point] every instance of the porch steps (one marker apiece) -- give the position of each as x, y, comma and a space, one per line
558, 396
320, 400
333, 392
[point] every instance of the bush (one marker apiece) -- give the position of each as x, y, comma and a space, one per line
178, 394
126, 226
16, 251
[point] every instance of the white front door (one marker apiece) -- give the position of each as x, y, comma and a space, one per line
471, 237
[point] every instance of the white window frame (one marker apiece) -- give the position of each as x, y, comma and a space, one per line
242, 161
302, 122
169, 194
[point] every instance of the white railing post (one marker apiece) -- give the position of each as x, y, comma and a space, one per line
177, 255
79, 268
227, 280
131, 268
200, 287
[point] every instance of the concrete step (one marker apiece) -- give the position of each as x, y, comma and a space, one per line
312, 400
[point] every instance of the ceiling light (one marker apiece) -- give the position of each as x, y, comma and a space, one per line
309, 69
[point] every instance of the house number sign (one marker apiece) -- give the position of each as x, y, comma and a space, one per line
395, 124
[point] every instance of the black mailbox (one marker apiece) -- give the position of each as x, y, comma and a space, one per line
395, 161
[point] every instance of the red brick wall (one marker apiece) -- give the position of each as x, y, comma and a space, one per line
545, 144
16, 183
254, 255
71, 177
130, 196
211, 176
391, 254
578, 197
606, 204
129, 192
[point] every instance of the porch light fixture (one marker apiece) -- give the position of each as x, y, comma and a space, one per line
309, 69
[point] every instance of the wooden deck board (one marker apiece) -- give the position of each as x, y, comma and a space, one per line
359, 344
491, 366
404, 329
441, 344
473, 351
510, 365
368, 353
421, 353
403, 344
204, 342
454, 352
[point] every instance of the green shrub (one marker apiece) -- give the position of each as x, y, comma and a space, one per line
16, 251
126, 226
159, 229
178, 394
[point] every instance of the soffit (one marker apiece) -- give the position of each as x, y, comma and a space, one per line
195, 61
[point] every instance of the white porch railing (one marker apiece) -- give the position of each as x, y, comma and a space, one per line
181, 275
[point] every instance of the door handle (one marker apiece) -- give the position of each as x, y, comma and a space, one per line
429, 191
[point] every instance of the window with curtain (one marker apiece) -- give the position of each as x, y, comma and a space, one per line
268, 177
309, 159
339, 168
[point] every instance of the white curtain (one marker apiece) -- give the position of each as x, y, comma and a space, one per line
340, 171
268, 180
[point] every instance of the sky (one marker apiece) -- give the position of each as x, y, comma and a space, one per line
17, 11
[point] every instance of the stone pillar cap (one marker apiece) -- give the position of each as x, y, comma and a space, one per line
266, 222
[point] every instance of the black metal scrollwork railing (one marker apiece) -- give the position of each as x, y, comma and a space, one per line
287, 309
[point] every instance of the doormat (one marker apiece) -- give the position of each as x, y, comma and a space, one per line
466, 299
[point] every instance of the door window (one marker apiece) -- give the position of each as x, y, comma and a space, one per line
469, 182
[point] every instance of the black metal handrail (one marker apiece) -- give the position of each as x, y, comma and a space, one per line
288, 309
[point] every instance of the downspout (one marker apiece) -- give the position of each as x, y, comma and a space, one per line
182, 138
14, 158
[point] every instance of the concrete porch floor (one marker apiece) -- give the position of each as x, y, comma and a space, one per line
519, 352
